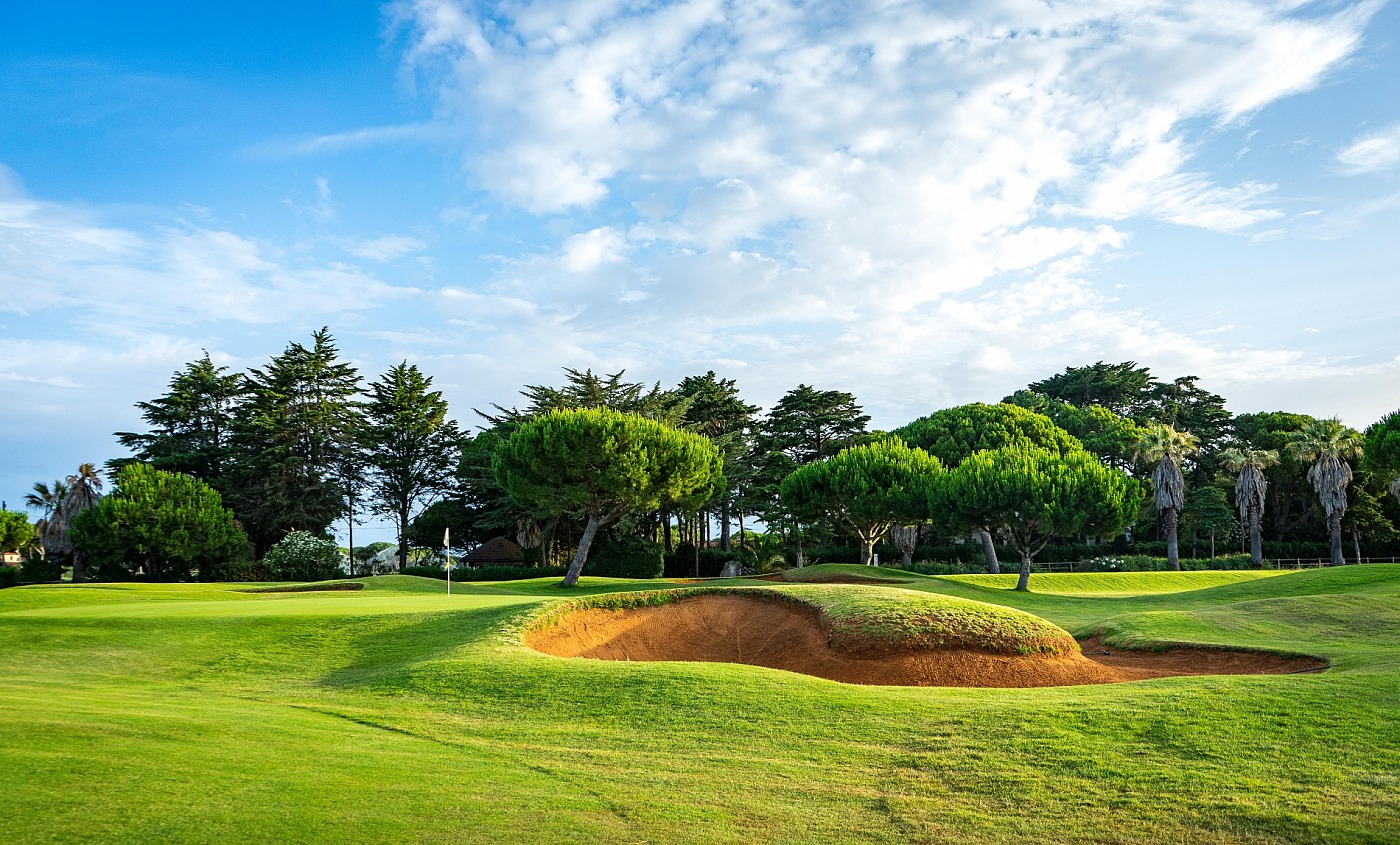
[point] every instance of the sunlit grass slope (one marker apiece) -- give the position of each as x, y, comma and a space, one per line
400, 714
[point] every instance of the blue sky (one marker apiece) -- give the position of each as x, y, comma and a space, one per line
924, 204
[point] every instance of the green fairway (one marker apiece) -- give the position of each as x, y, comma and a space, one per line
197, 713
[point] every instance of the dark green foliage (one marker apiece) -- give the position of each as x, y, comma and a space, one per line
1382, 457
191, 425
589, 390
627, 557
681, 563
410, 446
808, 424
165, 524
240, 569
1122, 388
9, 576
1208, 515
864, 490
1111, 437
426, 530
1292, 511
39, 570
293, 435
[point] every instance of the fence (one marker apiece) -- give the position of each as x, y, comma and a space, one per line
1316, 563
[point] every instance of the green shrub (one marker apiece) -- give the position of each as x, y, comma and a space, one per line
9, 575
303, 556
488, 573
38, 570
626, 557
681, 562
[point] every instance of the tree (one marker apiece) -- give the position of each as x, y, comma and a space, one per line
1111, 437
1207, 509
808, 424
1034, 495
1250, 489
1125, 389
52, 527
291, 436
865, 490
1293, 511
1383, 450
1365, 518
84, 491
409, 444
602, 465
16, 533
191, 425
715, 410
954, 434
1327, 444
166, 524
1168, 447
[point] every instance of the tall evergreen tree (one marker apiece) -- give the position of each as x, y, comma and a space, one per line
715, 410
191, 425
292, 436
410, 446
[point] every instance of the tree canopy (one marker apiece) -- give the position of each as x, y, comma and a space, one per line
1034, 495
165, 524
604, 464
865, 489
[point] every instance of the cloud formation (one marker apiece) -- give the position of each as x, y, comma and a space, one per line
1373, 153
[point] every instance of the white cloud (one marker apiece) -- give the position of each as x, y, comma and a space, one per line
386, 248
1373, 153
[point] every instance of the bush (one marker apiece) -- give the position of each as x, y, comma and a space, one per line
242, 570
37, 570
681, 562
626, 557
303, 556
9, 575
488, 573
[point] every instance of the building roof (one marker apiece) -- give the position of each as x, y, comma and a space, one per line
496, 550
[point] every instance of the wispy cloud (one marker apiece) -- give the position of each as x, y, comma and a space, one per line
1372, 153
386, 248
353, 139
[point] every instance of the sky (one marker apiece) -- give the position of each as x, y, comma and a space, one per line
924, 204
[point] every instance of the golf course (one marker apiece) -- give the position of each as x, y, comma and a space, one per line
392, 711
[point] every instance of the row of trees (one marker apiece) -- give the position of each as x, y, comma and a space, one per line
302, 443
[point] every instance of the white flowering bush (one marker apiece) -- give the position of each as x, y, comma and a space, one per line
303, 556
1103, 564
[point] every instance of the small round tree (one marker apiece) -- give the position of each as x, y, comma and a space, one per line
602, 465
1383, 450
953, 434
167, 523
1035, 495
865, 490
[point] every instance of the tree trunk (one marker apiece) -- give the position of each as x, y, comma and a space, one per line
1212, 544
351, 526
547, 542
740, 514
1356, 542
1169, 523
1024, 582
1334, 528
724, 526
797, 536
696, 547
666, 531
1256, 543
581, 556
989, 549
79, 567
403, 538
867, 552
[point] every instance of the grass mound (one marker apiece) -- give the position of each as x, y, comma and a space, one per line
860, 620
843, 573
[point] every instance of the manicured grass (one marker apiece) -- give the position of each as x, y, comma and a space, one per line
400, 714
1118, 583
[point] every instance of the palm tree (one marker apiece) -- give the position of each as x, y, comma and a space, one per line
1249, 491
1168, 447
1328, 444
52, 528
84, 491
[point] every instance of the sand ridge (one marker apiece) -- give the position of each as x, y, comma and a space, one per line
759, 631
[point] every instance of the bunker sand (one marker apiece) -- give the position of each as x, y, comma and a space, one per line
782, 635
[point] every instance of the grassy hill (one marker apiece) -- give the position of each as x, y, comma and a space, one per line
193, 713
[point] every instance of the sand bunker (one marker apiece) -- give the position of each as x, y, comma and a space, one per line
782, 635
